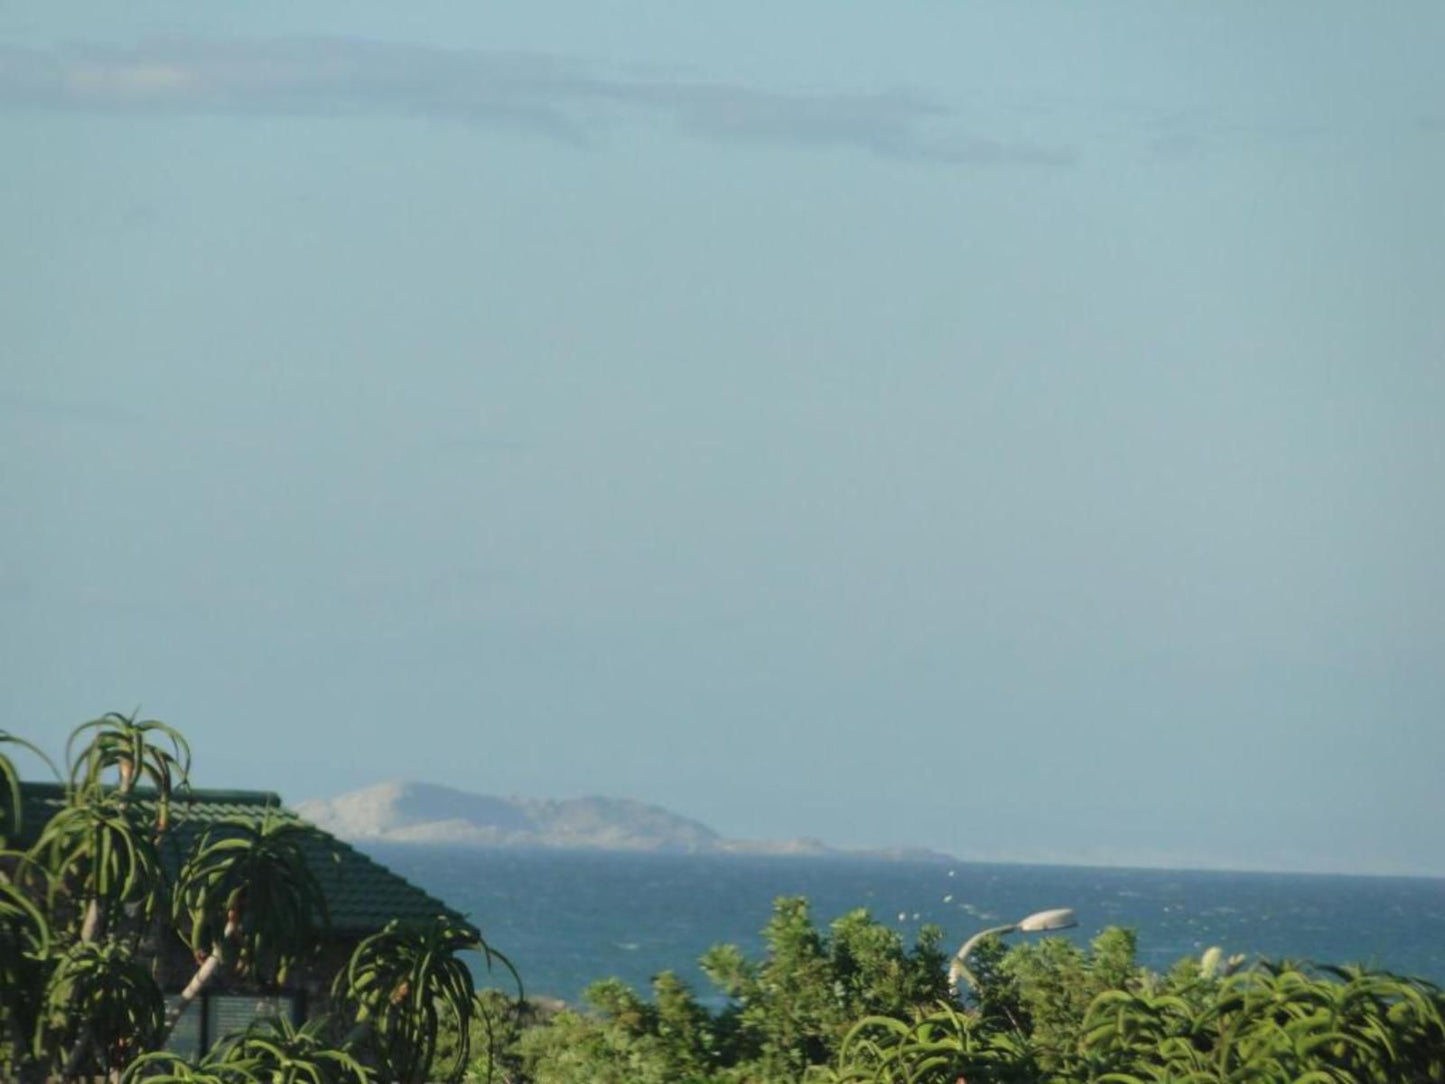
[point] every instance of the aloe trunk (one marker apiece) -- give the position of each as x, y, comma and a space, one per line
200, 980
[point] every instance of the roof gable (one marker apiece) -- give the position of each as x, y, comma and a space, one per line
361, 893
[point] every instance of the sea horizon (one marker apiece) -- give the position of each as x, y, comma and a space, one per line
568, 918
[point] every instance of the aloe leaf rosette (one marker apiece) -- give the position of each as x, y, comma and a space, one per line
275, 1049
10, 785
406, 986
102, 997
96, 851
136, 749
247, 897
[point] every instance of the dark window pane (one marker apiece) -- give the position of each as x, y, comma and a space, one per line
231, 1014
185, 1040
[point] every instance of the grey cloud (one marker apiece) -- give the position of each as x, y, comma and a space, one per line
559, 98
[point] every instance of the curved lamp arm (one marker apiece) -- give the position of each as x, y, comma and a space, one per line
1060, 918
958, 966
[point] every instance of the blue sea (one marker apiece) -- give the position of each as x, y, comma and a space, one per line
568, 918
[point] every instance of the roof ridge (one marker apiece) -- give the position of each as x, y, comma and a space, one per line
234, 796
362, 893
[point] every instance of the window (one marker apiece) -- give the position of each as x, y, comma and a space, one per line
214, 1017
185, 1040
228, 1014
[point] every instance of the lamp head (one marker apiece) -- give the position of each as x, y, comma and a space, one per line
1044, 921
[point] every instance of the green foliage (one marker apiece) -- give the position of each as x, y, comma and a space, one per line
101, 997
1278, 1021
161, 1067
941, 1047
82, 911
100, 857
10, 786
786, 1013
273, 1050
1048, 1013
1275, 1023
842, 1005
130, 747
793, 1009
626, 1040
246, 891
1045, 987
407, 986
25, 962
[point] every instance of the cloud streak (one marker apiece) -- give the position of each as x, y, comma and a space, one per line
559, 98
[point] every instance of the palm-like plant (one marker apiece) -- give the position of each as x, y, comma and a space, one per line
10, 785
402, 984
136, 749
78, 997
1277, 1022
163, 1067
25, 944
246, 899
132, 749
98, 855
939, 1048
275, 1051
103, 1005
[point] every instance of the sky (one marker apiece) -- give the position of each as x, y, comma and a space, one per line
1014, 430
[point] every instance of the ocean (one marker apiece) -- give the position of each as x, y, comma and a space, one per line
568, 918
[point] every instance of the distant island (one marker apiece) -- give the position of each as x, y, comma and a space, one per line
425, 813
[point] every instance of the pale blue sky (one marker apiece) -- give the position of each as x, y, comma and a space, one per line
1011, 429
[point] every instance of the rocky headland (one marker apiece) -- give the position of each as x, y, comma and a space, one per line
425, 813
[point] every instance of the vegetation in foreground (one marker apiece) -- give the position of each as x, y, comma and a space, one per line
81, 907
850, 1005
88, 910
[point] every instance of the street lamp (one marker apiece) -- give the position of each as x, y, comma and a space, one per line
1061, 918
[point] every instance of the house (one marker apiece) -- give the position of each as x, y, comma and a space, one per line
362, 896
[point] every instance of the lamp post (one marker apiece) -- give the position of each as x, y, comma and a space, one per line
1061, 918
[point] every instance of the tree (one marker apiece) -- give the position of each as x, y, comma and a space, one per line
84, 909
246, 899
1274, 1022
793, 1008
98, 861
786, 1013
273, 1050
10, 786
405, 985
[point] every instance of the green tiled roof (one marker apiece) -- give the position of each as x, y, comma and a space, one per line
361, 893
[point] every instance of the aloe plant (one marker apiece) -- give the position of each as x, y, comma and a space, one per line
25, 948
135, 750
100, 857
103, 1005
10, 785
131, 748
273, 1050
941, 1047
403, 985
247, 900
1283, 1023
162, 1067
1277, 1021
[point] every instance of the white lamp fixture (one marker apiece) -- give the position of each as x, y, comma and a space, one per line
1060, 918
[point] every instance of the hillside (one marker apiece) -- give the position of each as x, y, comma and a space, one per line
428, 813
